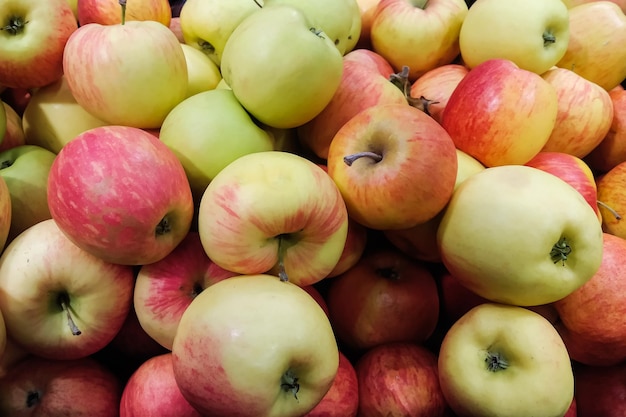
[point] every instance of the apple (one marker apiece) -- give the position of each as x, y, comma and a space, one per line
260, 340
52, 117
11, 355
108, 12
489, 119
340, 20
45, 387
151, 391
394, 165
164, 289
597, 33
574, 3
585, 113
572, 170
591, 318
14, 134
535, 374
399, 379
342, 399
365, 82
385, 297
367, 9
600, 390
175, 27
267, 75
25, 170
59, 301
6, 213
419, 34
129, 74
356, 243
533, 34
74, 6
34, 36
203, 74
436, 86
612, 200
99, 202
207, 24
207, 132
612, 148
506, 237
274, 212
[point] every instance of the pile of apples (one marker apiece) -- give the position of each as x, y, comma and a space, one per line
312, 208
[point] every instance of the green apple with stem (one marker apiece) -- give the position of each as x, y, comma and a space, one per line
25, 170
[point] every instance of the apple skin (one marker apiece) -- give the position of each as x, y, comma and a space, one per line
585, 113
203, 74
265, 201
25, 170
367, 9
597, 33
139, 93
399, 379
533, 34
538, 380
592, 317
488, 118
109, 12
612, 149
410, 184
14, 135
3, 122
600, 390
342, 399
364, 83
128, 222
6, 213
44, 387
611, 193
164, 289
419, 34
151, 391
490, 230
99, 293
574, 3
356, 243
222, 351
3, 337
35, 57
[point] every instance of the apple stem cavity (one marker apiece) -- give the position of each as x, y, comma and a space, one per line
495, 362
289, 383
349, 160
420, 3
401, 80
15, 25
123, 4
164, 227
64, 301
548, 38
560, 251
610, 209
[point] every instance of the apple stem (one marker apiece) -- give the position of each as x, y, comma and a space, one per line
64, 301
123, 4
282, 273
258, 4
610, 209
495, 362
548, 38
349, 160
560, 251
289, 383
401, 80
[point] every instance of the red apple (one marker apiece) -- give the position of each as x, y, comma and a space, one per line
151, 391
394, 165
612, 149
14, 135
109, 12
600, 390
98, 198
612, 197
385, 297
501, 114
399, 379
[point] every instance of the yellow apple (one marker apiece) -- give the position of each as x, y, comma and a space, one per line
203, 73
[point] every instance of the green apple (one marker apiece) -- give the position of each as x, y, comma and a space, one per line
25, 170
519, 235
203, 74
500, 360
52, 117
339, 19
532, 33
282, 69
208, 131
207, 24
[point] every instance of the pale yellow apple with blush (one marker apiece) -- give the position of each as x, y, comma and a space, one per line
203, 73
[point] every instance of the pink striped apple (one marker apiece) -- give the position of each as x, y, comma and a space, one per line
108, 12
611, 151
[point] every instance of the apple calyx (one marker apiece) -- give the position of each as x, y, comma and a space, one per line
401, 80
33, 398
610, 209
349, 160
289, 383
15, 25
164, 227
548, 38
560, 251
388, 273
6, 163
495, 362
64, 301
